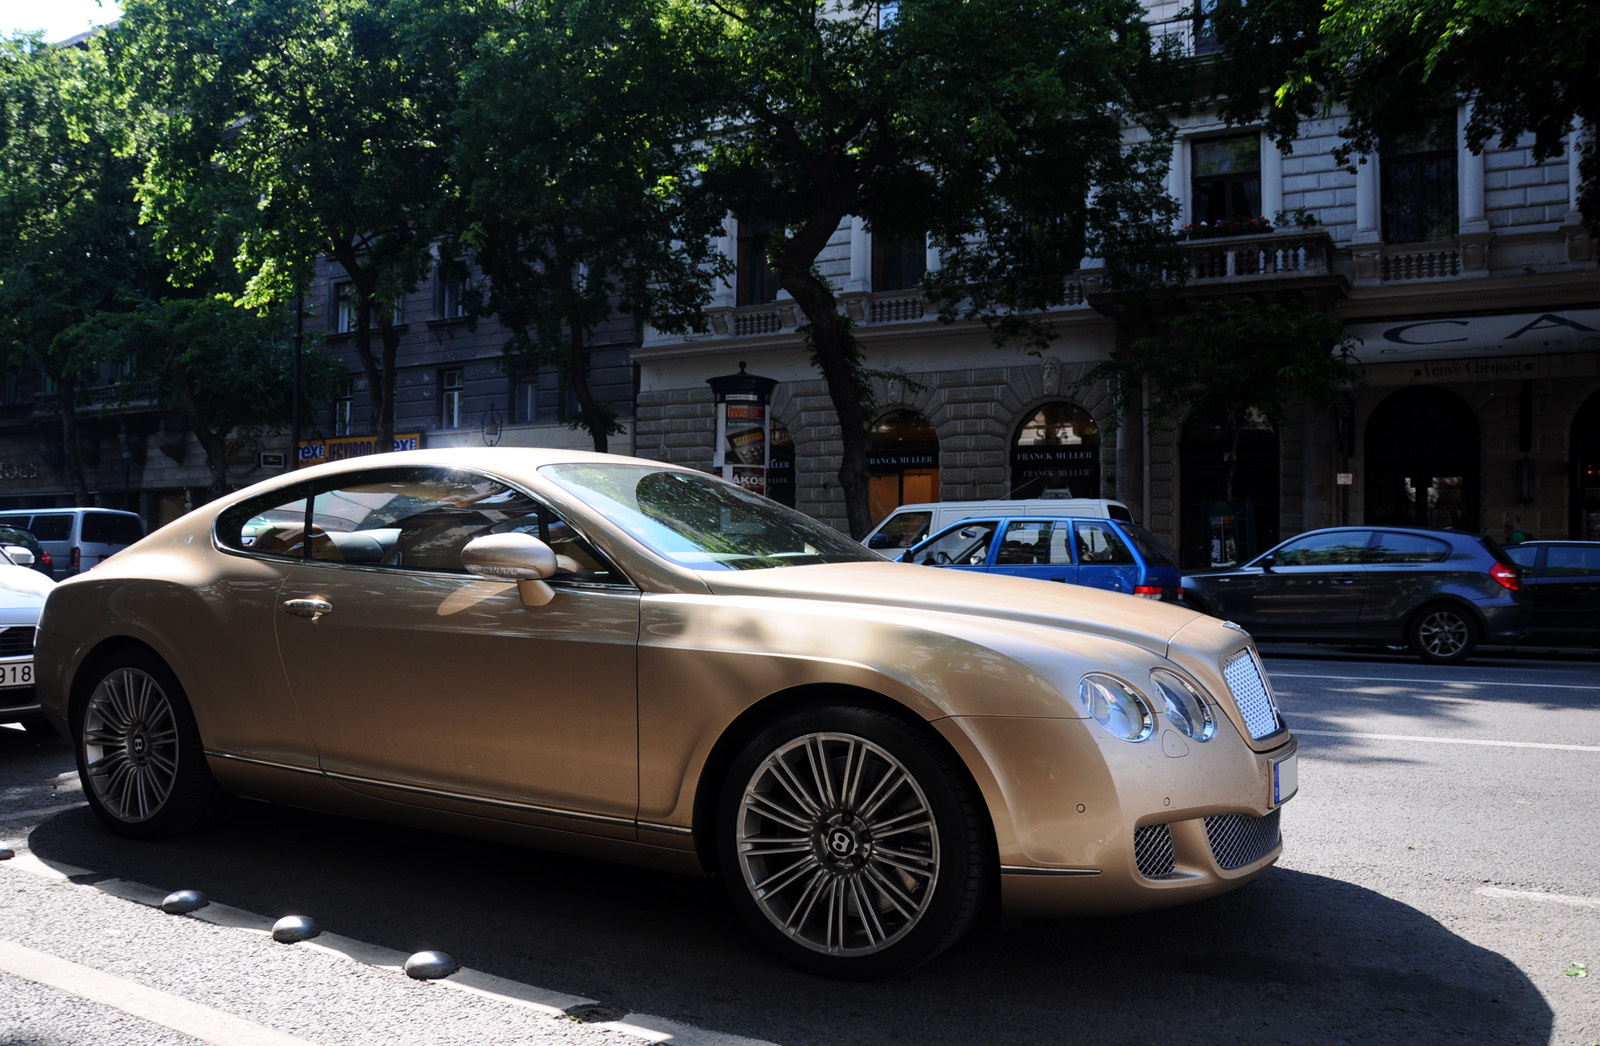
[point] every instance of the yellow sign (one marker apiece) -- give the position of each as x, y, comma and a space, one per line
317, 451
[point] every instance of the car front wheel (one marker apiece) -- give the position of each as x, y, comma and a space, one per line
851, 843
1441, 634
139, 752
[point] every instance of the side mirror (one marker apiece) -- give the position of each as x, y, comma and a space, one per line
19, 555
1265, 563
522, 558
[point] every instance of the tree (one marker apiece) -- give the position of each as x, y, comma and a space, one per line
68, 221
1230, 360
1018, 137
1529, 67
224, 368
577, 171
329, 118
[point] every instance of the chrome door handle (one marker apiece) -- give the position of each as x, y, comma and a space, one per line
314, 607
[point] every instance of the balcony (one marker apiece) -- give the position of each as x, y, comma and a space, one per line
1278, 256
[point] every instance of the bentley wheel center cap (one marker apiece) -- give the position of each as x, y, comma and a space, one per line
137, 745
844, 845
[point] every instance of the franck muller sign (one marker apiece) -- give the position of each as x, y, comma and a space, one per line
1468, 337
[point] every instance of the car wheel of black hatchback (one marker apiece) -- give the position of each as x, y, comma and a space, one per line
850, 843
1442, 634
139, 752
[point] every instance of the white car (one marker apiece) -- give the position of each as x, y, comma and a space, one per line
22, 594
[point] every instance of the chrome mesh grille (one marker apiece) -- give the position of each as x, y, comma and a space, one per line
1239, 839
1152, 851
16, 641
1250, 692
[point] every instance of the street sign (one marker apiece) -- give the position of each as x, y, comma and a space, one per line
1345, 479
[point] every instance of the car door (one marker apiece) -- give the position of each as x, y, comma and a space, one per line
1104, 558
1404, 571
420, 680
1312, 585
1036, 548
1564, 588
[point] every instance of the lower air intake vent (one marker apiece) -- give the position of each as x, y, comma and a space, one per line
1152, 851
1239, 839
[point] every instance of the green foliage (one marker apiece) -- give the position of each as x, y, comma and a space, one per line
313, 128
1392, 63
576, 165
998, 130
1232, 359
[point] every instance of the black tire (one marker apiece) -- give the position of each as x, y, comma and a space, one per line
139, 753
1442, 634
825, 846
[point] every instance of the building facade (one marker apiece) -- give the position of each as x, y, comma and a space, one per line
1468, 279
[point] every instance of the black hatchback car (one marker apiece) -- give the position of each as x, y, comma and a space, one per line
1440, 592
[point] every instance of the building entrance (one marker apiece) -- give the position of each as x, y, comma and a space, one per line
1421, 460
1585, 458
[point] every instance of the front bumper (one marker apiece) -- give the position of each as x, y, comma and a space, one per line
1086, 824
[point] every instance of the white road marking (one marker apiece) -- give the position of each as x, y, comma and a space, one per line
205, 1023
1445, 740
1437, 682
647, 1027
1535, 895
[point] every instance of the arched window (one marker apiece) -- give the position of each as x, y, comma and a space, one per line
903, 458
1056, 450
1421, 459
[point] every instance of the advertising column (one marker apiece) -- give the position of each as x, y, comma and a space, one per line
744, 428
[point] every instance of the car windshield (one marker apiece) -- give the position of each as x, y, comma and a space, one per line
702, 522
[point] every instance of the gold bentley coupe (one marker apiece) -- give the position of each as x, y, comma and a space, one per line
630, 660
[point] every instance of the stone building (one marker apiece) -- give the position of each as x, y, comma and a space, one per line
1468, 279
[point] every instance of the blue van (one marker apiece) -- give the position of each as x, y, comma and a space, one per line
1113, 554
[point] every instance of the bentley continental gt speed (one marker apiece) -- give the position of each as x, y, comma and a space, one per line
626, 659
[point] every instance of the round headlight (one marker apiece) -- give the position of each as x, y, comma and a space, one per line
1186, 710
1116, 706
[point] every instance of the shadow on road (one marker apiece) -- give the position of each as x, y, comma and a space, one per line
1292, 958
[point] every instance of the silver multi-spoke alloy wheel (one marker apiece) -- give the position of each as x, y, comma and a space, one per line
1443, 634
130, 745
838, 844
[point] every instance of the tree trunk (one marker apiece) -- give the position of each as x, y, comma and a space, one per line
594, 419
71, 460
838, 357
215, 444
380, 375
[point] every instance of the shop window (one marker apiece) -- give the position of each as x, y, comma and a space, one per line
903, 459
1421, 457
1056, 453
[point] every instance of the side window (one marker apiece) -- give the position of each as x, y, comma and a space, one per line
1572, 561
965, 544
1523, 555
108, 528
1024, 544
274, 525
1322, 550
1407, 548
1099, 545
56, 527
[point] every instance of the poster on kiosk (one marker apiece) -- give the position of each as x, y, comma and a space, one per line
744, 428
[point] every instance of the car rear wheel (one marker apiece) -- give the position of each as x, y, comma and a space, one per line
851, 843
139, 752
1442, 634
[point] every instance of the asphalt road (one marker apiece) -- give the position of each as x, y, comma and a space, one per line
1439, 883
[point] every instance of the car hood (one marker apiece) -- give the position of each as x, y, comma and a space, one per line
22, 593
1142, 622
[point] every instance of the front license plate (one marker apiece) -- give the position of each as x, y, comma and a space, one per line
1285, 779
16, 673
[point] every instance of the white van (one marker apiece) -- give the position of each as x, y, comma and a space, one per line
909, 524
76, 538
